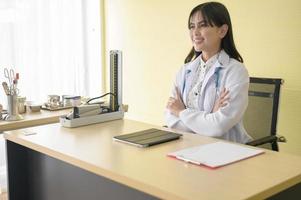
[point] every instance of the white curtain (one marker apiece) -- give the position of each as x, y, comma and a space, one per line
55, 45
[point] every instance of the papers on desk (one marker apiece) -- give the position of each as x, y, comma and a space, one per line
216, 154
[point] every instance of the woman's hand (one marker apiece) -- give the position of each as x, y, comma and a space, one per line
175, 105
221, 101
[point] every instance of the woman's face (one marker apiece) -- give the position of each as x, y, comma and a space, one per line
204, 37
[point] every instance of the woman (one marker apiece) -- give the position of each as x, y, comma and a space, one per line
210, 94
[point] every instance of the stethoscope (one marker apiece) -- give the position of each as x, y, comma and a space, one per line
216, 74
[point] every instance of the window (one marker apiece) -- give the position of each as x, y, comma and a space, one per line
55, 45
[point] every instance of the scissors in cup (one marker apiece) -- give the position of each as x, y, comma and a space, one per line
10, 75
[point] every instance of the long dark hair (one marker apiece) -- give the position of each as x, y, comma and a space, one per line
216, 14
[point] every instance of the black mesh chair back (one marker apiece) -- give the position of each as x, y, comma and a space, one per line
260, 119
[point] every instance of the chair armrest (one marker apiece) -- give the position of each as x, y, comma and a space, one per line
264, 140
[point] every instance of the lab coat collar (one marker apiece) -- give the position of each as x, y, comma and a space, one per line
223, 58
209, 62
193, 65
191, 68
222, 61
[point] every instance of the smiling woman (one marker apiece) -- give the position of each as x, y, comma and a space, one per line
210, 94
204, 36
211, 22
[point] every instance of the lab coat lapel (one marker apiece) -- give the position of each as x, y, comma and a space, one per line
192, 69
209, 76
222, 61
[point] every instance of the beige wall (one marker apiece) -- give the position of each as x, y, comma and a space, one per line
154, 39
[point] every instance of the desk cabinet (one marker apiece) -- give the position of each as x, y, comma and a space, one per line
30, 119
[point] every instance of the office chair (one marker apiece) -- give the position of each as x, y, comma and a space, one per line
260, 119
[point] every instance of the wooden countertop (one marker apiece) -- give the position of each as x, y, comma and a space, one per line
33, 119
151, 171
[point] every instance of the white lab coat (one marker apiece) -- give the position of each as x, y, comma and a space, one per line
226, 123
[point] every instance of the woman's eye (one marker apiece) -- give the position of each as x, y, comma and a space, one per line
203, 25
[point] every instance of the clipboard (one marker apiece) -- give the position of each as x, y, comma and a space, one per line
215, 154
147, 137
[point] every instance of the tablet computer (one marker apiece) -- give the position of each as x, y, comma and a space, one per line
147, 137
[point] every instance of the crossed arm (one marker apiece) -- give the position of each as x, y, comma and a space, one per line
176, 105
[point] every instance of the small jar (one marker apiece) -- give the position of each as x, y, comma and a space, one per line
66, 101
53, 101
76, 101
70, 100
21, 104
1, 109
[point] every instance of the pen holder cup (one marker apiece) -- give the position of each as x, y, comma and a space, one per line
12, 109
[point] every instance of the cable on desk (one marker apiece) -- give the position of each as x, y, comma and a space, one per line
109, 93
